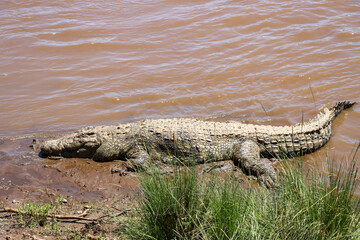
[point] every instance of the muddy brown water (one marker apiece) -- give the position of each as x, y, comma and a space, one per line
69, 64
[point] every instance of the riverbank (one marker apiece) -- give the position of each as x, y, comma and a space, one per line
99, 201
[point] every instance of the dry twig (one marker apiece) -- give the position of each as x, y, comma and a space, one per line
65, 217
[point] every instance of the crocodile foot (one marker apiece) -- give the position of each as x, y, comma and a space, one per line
265, 173
247, 157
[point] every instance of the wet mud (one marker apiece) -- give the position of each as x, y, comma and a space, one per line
25, 175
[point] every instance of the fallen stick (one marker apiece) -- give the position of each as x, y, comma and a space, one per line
77, 217
122, 212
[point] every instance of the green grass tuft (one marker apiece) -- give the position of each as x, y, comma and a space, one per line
187, 206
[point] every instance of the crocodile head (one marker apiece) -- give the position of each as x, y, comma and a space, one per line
82, 144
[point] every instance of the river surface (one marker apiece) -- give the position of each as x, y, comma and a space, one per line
69, 64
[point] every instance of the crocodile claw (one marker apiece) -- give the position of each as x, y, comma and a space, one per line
268, 180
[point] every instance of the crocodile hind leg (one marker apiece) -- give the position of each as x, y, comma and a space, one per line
247, 156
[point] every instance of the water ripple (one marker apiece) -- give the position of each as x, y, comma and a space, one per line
67, 65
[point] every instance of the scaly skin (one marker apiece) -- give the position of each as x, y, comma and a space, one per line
198, 141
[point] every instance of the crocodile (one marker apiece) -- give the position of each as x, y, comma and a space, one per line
186, 140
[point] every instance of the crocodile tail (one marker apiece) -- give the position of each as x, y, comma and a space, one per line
341, 106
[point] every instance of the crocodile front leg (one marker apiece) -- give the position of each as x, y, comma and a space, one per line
108, 151
247, 156
138, 160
